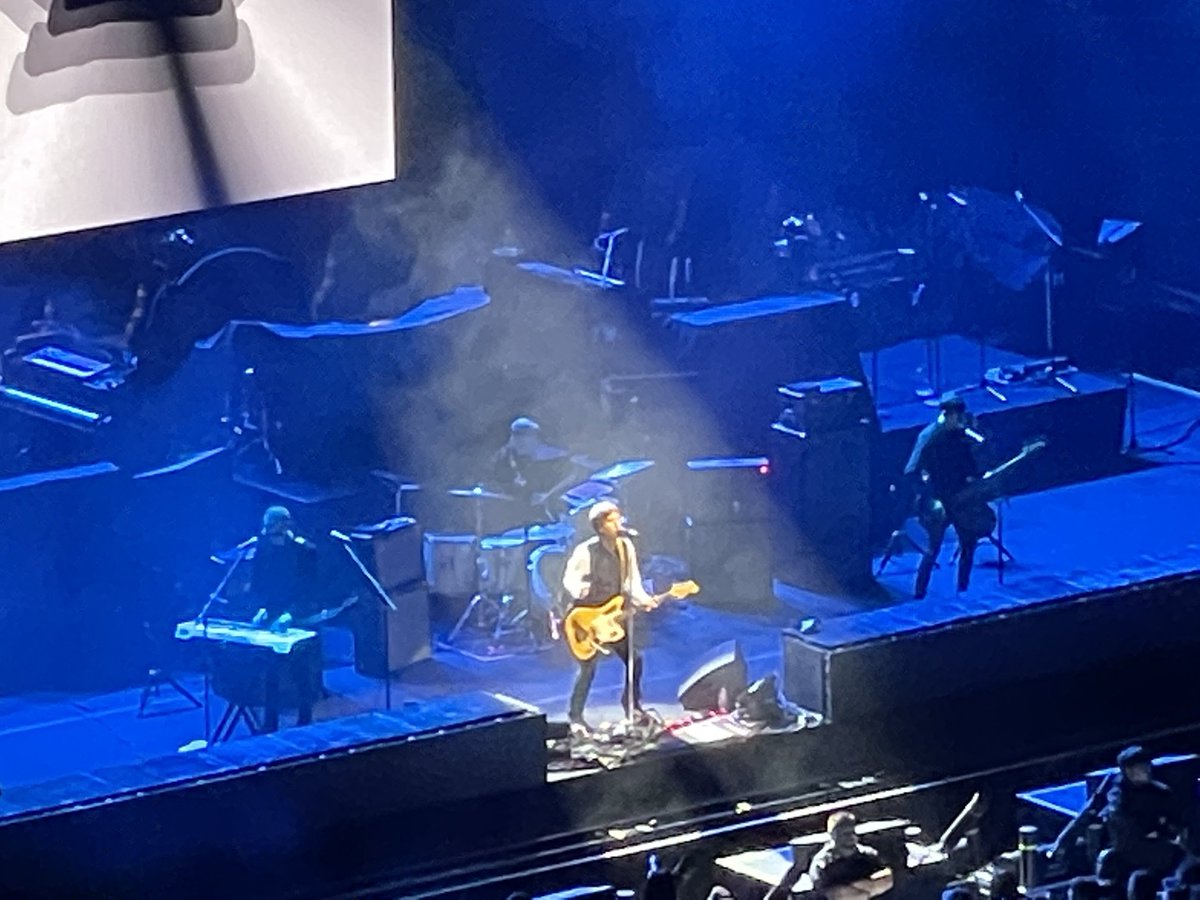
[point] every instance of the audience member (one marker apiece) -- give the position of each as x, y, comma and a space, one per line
1085, 889
1005, 885
1142, 885
844, 869
1142, 816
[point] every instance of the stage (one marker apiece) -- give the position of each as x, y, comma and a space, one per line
1114, 556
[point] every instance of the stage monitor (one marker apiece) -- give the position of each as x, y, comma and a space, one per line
123, 110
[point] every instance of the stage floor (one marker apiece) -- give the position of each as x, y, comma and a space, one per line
1072, 540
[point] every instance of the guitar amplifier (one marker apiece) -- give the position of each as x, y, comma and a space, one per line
831, 404
391, 549
389, 641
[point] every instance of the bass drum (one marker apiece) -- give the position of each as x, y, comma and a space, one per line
546, 566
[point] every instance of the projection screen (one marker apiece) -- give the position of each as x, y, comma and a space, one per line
112, 118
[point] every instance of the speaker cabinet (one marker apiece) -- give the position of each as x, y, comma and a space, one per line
389, 641
717, 681
822, 483
732, 563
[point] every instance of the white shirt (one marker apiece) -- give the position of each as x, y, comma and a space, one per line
576, 576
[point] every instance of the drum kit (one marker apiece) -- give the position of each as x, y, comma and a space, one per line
513, 578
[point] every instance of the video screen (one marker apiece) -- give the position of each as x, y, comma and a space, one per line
122, 110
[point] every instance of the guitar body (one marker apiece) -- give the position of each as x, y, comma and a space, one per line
588, 628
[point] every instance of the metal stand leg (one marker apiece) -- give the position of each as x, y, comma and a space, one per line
898, 544
235, 713
156, 679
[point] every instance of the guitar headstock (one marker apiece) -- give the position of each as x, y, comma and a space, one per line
681, 589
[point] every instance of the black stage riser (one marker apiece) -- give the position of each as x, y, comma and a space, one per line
928, 666
209, 834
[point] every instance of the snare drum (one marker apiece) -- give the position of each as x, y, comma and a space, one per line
450, 567
502, 564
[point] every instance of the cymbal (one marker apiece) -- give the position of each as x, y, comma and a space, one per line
478, 492
621, 470
585, 462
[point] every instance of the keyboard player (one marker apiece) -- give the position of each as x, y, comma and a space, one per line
280, 591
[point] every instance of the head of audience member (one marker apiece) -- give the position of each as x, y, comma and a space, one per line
1137, 764
1142, 886
1084, 889
1189, 872
1005, 885
842, 827
660, 885
1109, 867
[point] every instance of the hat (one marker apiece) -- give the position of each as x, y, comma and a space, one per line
1131, 756
523, 423
952, 403
600, 510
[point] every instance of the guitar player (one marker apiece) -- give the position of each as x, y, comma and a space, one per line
943, 465
598, 569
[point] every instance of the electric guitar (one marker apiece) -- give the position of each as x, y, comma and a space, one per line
588, 629
984, 489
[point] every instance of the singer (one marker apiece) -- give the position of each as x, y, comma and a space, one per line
599, 569
943, 468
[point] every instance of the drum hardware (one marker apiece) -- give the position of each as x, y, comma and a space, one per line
500, 604
398, 485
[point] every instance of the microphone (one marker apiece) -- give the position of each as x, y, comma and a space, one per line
340, 536
248, 542
629, 532
974, 435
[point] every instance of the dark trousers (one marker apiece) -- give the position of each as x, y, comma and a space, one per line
936, 521
587, 674
299, 673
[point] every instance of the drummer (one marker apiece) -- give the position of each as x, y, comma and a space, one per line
527, 469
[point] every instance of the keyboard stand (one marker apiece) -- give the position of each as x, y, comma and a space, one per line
234, 713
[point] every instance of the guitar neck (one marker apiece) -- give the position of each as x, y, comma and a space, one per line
1005, 466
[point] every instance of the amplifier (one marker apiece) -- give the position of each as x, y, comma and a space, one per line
830, 404
391, 549
390, 641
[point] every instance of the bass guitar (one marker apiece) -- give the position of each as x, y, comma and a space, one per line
969, 507
589, 629
988, 487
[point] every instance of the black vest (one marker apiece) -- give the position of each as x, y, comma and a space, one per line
605, 570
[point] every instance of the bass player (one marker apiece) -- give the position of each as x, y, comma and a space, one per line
943, 463
600, 568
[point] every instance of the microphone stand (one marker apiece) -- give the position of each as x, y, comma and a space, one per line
630, 653
203, 617
345, 540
